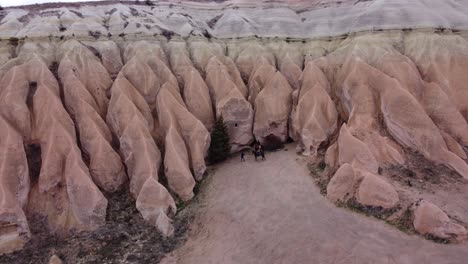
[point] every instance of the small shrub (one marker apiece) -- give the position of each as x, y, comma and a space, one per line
167, 33
404, 222
149, 3
207, 34
437, 239
219, 148
95, 34
14, 41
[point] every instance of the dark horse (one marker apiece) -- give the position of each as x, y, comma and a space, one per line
259, 152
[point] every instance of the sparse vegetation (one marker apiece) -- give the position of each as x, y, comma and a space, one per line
125, 236
134, 12
167, 33
14, 41
375, 211
207, 34
149, 3
404, 222
437, 239
219, 148
95, 34
316, 171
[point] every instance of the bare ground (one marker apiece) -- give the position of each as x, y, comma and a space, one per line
272, 212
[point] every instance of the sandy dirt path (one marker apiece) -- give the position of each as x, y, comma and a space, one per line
272, 212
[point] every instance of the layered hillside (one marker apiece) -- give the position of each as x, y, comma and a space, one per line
95, 98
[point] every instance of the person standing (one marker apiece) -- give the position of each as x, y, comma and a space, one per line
242, 156
262, 152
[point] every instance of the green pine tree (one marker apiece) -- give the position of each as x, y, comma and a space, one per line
219, 148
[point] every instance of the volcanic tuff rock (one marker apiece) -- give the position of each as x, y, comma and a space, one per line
430, 219
98, 95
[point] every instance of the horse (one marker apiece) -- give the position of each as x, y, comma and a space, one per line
259, 153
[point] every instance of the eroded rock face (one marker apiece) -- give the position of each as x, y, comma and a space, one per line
272, 107
132, 81
130, 118
14, 176
314, 117
195, 91
357, 174
86, 83
63, 190
230, 104
186, 142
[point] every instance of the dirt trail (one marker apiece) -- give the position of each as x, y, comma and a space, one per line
272, 212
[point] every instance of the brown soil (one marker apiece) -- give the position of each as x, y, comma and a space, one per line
125, 238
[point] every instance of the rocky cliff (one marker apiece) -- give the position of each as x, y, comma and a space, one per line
102, 96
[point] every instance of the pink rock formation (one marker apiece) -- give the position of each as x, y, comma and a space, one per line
290, 61
374, 191
109, 54
195, 91
230, 103
314, 117
177, 130
409, 124
258, 80
130, 118
393, 93
430, 219
186, 142
272, 108
85, 83
252, 54
357, 176
442, 60
355, 152
64, 191
341, 186
201, 53
357, 92
14, 189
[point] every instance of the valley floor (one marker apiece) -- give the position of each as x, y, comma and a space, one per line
272, 212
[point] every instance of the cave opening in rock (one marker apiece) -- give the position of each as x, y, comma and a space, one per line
32, 90
272, 142
33, 155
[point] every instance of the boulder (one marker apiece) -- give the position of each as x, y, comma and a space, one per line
430, 219
375, 191
355, 152
341, 186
